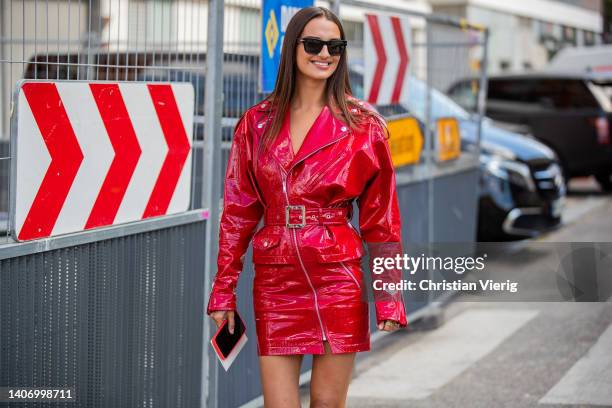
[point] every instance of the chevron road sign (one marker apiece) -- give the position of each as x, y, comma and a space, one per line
93, 154
387, 50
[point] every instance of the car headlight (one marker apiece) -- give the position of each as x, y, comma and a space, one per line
515, 172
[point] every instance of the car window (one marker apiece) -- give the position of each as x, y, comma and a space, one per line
602, 91
607, 89
465, 94
526, 94
239, 73
54, 67
392, 110
356, 81
441, 105
566, 94
510, 90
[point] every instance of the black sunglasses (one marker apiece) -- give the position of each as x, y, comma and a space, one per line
315, 45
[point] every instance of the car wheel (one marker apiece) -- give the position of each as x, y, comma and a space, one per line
605, 180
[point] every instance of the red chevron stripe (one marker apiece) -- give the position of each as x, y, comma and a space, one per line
382, 58
127, 152
401, 71
178, 149
66, 158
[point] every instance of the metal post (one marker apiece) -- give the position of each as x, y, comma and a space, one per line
94, 34
429, 148
4, 78
212, 190
482, 87
432, 310
335, 7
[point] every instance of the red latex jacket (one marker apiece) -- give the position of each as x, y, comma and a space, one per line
334, 166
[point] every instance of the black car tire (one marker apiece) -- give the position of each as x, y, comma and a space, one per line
605, 180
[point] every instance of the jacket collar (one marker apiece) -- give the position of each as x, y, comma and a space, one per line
325, 131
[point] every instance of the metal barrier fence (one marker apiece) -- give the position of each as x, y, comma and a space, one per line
118, 320
118, 312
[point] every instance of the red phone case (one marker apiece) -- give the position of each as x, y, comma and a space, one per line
214, 340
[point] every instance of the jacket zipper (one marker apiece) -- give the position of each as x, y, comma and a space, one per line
294, 236
325, 336
346, 268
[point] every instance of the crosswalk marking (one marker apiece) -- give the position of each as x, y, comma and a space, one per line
589, 381
418, 370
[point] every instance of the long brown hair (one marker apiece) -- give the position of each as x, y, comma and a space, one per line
337, 88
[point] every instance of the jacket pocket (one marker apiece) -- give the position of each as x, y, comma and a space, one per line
346, 245
267, 248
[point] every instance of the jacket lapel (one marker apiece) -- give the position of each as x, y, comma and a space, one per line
325, 131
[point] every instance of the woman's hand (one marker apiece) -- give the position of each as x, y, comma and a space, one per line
220, 315
388, 325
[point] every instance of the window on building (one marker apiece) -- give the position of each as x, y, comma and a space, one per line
569, 35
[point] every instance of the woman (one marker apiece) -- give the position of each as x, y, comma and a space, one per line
299, 159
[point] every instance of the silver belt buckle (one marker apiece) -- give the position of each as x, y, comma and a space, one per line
295, 207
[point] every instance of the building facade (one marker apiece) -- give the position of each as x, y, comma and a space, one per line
526, 34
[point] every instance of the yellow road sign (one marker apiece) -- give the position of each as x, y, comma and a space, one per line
448, 139
405, 142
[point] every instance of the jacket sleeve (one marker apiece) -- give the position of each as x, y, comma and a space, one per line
241, 213
380, 227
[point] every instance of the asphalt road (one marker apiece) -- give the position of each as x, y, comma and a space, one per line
499, 353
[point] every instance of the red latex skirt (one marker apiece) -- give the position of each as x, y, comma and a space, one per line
299, 305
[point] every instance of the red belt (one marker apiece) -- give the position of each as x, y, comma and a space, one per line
296, 216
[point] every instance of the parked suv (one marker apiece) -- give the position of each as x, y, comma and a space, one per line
571, 113
522, 191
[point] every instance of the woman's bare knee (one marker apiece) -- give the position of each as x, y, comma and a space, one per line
331, 375
280, 376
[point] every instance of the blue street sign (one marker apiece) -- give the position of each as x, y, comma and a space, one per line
275, 17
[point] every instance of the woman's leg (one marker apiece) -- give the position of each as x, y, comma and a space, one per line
331, 375
280, 378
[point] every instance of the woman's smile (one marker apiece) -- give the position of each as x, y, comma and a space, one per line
322, 65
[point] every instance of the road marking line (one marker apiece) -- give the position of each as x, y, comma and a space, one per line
589, 380
418, 370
